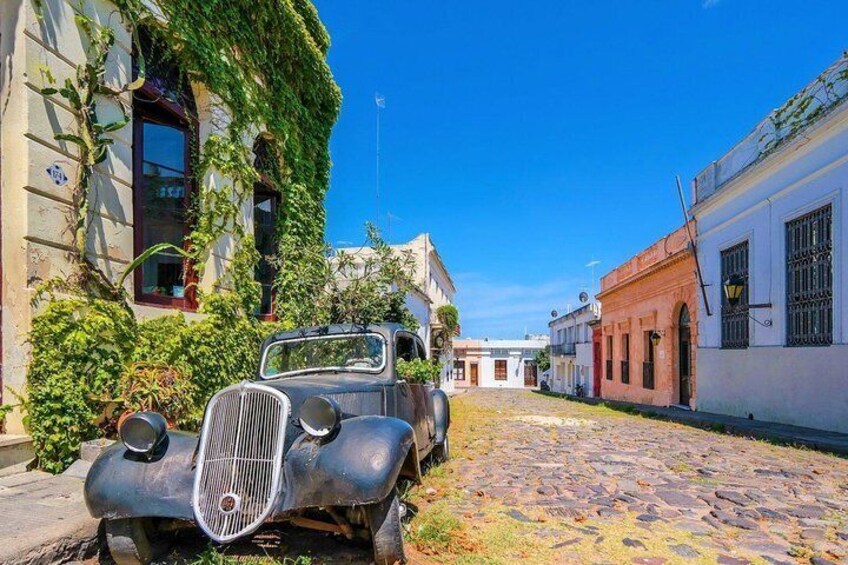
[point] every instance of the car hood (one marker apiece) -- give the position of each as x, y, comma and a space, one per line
356, 394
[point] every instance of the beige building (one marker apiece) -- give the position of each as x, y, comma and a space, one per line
140, 193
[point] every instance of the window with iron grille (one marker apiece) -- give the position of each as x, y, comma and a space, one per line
734, 319
809, 279
625, 358
648, 363
609, 358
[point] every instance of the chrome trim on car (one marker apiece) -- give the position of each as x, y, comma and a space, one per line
240, 460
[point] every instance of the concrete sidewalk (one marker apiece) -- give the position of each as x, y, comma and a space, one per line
821, 440
43, 519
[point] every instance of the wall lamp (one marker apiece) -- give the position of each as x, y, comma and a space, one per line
734, 286
655, 338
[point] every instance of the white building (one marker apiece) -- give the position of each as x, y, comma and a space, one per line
772, 213
572, 362
435, 288
496, 363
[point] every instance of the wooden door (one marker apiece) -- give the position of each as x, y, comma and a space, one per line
474, 373
685, 357
530, 374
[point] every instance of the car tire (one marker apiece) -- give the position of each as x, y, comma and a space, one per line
441, 452
135, 541
386, 533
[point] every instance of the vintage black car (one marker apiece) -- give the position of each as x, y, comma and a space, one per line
320, 439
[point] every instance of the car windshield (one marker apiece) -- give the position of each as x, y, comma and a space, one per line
361, 352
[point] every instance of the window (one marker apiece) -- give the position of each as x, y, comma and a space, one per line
734, 319
609, 358
266, 201
809, 279
500, 369
162, 181
648, 364
459, 370
405, 348
625, 358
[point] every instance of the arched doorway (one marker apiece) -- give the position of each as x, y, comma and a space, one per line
684, 358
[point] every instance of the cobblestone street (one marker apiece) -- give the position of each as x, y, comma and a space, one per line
586, 484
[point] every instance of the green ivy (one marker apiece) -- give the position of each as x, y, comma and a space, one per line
79, 347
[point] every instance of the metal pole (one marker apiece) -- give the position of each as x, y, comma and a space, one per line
694, 247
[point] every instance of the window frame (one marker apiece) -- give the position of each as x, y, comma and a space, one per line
823, 338
264, 188
740, 313
625, 358
150, 105
458, 370
505, 376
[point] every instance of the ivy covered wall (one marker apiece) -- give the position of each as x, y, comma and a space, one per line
255, 68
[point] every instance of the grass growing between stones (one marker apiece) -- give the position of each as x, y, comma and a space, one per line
455, 526
213, 557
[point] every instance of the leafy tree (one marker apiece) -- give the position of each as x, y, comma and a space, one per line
543, 358
364, 287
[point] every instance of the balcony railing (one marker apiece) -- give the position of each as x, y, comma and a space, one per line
625, 371
562, 349
648, 375
609, 369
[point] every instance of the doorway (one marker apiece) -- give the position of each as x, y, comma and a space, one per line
474, 374
684, 363
530, 374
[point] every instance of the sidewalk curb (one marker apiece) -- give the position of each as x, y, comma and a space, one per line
794, 436
69, 545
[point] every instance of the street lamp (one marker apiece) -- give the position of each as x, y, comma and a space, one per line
655, 338
734, 286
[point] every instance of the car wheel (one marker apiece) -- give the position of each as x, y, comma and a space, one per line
441, 452
386, 534
135, 541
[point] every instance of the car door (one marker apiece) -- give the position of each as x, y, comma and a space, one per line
413, 400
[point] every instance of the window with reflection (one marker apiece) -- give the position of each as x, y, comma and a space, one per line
163, 184
266, 201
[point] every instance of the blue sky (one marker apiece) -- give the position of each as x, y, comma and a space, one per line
531, 137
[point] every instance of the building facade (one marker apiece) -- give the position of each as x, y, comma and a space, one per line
649, 326
496, 363
572, 365
142, 189
771, 216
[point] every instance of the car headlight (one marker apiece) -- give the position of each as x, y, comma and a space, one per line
143, 431
320, 417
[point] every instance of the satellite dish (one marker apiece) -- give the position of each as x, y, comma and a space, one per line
554, 313
584, 297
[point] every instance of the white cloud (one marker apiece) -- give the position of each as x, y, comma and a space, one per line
500, 309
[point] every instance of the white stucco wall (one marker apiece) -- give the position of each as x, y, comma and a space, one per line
796, 385
516, 353
570, 370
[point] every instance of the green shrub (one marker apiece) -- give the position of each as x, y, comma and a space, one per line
79, 347
419, 371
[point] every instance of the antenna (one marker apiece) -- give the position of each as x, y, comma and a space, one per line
380, 102
694, 248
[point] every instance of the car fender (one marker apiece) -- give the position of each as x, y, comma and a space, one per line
359, 466
441, 414
122, 484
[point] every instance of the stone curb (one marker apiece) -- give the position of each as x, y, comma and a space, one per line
68, 546
819, 440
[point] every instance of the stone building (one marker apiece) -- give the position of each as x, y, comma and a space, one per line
649, 326
141, 192
572, 363
771, 216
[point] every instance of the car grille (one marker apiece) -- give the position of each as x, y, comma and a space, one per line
240, 460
